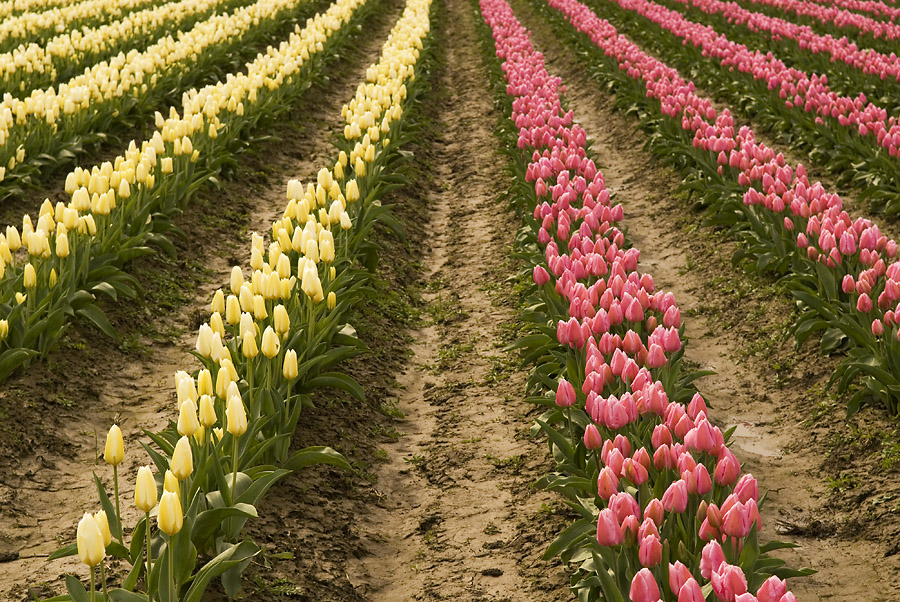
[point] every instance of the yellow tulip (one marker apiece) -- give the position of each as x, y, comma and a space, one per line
217, 325
90, 541
187, 419
62, 245
103, 525
170, 518
218, 302
182, 464
289, 369
248, 345
207, 411
204, 383
114, 452
282, 320
236, 417
4, 329
270, 343
232, 310
170, 483
30, 276
331, 302
145, 490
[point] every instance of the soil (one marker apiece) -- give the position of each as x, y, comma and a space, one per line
441, 504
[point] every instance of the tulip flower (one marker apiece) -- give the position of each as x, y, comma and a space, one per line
182, 464
145, 499
188, 424
270, 343
91, 548
609, 532
644, 587
170, 518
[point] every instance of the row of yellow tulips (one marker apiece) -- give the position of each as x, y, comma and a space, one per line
38, 64
41, 21
53, 269
48, 122
269, 336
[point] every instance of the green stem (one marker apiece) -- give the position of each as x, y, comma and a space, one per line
103, 580
91, 569
118, 512
171, 568
234, 465
251, 370
571, 427
149, 588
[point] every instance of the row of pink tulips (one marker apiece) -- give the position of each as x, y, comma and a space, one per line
799, 90
834, 16
841, 49
663, 485
879, 9
850, 277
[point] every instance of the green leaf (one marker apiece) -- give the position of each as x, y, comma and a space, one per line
316, 455
64, 552
233, 556
76, 589
96, 316
336, 380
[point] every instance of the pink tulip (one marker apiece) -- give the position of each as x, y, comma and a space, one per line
746, 488
609, 533
676, 496
678, 576
607, 483
654, 510
690, 592
771, 590
540, 275
650, 551
711, 559
565, 394
728, 582
644, 587
592, 437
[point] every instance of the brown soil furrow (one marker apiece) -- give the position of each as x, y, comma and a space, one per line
456, 518
45, 494
748, 393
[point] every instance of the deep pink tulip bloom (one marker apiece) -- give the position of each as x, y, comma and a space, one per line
711, 559
609, 533
650, 551
644, 587
690, 592
565, 394
729, 582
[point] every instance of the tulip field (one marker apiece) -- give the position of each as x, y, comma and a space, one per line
388, 300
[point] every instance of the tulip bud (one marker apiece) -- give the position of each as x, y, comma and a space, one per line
282, 320
290, 369
90, 541
4, 329
232, 310
187, 419
145, 490
30, 276
114, 452
248, 345
62, 245
235, 416
217, 434
170, 483
170, 519
103, 525
207, 411
331, 301
218, 302
182, 464
270, 343
237, 280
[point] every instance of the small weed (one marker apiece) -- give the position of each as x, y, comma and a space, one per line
390, 409
381, 455
843, 482
491, 529
890, 454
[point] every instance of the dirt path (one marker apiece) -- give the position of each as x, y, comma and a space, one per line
69, 402
455, 516
760, 395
